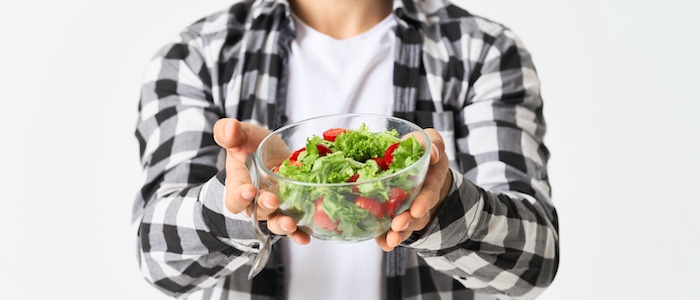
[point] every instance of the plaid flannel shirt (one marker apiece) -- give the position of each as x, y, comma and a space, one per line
466, 76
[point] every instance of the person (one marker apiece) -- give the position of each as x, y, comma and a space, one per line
482, 227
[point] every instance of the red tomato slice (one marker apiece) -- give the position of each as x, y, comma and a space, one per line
389, 154
396, 197
295, 155
331, 134
354, 177
321, 219
323, 150
372, 205
381, 162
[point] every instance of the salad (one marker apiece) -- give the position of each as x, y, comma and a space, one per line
360, 162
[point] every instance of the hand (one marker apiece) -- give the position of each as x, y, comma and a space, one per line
239, 139
437, 183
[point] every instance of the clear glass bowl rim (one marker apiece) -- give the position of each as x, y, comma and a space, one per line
275, 176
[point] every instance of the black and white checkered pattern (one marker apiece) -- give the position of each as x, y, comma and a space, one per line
470, 78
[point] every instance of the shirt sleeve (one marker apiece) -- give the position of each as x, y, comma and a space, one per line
186, 239
497, 231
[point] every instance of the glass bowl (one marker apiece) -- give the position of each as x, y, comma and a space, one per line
344, 211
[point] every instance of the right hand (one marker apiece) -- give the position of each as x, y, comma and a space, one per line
239, 139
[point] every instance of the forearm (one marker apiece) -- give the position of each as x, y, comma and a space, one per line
491, 242
178, 250
497, 232
185, 238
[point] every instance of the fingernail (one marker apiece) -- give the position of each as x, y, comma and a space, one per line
267, 205
416, 211
285, 227
228, 128
405, 226
248, 195
435, 148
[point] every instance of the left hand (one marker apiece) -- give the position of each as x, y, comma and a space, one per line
437, 183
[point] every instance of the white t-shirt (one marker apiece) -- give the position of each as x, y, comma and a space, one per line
330, 76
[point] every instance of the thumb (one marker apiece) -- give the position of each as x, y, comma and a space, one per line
229, 134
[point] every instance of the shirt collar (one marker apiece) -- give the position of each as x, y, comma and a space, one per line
267, 7
407, 12
418, 12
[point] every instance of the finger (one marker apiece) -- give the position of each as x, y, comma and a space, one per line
437, 149
281, 225
381, 242
239, 198
405, 225
268, 203
404, 222
419, 224
402, 227
429, 195
394, 238
240, 192
234, 137
401, 221
240, 138
228, 133
300, 237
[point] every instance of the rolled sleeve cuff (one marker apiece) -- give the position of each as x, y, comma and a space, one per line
232, 229
456, 219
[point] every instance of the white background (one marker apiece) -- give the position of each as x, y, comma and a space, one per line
621, 88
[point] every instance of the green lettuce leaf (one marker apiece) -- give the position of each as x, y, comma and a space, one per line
351, 153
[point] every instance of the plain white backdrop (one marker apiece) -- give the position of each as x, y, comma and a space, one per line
620, 80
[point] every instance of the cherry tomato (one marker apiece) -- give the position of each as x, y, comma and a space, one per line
331, 134
396, 197
321, 219
372, 205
